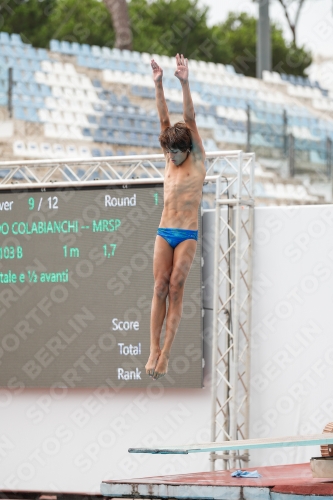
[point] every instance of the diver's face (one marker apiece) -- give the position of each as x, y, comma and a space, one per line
176, 156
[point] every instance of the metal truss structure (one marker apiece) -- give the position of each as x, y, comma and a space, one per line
232, 308
230, 174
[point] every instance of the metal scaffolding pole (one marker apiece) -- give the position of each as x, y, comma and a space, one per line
232, 313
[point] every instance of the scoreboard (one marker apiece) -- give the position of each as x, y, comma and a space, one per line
76, 284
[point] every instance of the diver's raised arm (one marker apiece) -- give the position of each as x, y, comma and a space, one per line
161, 104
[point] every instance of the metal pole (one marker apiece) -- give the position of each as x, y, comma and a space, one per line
329, 157
291, 155
248, 283
215, 322
248, 128
264, 51
285, 129
10, 92
235, 318
248, 319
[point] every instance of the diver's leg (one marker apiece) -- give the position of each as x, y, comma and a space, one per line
182, 260
162, 267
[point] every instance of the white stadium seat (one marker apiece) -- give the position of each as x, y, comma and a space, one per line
58, 151
44, 115
63, 132
52, 79
58, 68
33, 149
50, 130
57, 92
71, 151
56, 116
50, 102
46, 150
68, 118
46, 66
75, 132
70, 69
69, 93
19, 148
84, 152
146, 57
40, 77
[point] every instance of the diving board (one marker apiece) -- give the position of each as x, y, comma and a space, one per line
245, 444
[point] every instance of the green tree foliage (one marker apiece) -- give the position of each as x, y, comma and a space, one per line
239, 32
171, 26
38, 21
158, 26
82, 21
28, 18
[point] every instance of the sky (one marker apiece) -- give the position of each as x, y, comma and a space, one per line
315, 26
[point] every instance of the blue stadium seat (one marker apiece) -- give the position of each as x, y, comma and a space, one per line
75, 49
19, 51
103, 122
96, 152
92, 119
42, 55
86, 132
106, 52
34, 65
116, 54
4, 38
3, 85
65, 47
30, 52
3, 70
96, 51
16, 39
98, 135
134, 139
127, 124
19, 113
6, 50
45, 90
110, 138
81, 60
17, 75
85, 49
114, 123
55, 45
316, 157
32, 115
97, 83
110, 64
4, 172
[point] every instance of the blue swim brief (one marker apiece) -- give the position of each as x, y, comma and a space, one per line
175, 236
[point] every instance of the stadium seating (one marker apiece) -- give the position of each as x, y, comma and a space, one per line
91, 101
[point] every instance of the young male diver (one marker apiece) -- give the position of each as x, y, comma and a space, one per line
177, 234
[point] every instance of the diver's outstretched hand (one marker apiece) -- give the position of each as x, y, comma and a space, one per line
157, 71
182, 68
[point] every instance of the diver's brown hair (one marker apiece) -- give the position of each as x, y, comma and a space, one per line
176, 137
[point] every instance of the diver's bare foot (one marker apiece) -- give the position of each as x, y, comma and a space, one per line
152, 361
161, 368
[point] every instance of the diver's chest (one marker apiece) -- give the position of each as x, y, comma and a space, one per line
179, 183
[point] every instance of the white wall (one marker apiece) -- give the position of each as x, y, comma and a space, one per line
292, 335
72, 440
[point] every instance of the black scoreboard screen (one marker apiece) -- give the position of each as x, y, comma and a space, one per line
76, 284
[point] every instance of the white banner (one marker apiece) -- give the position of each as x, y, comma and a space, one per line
292, 328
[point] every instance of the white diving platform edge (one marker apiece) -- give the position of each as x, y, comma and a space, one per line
246, 444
